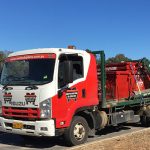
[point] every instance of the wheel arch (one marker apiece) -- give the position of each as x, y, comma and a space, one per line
87, 114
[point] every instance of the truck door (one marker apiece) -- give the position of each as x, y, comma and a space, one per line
72, 94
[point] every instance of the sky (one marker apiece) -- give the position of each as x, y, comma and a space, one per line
115, 26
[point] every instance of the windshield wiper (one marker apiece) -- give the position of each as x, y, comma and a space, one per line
20, 80
31, 87
6, 85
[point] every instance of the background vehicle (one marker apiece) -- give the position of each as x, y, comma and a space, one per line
51, 92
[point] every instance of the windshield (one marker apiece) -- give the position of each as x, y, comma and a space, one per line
28, 72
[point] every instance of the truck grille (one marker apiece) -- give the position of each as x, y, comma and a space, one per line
14, 112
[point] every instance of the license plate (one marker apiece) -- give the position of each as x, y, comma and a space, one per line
17, 125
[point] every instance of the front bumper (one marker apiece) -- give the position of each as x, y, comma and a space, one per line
33, 128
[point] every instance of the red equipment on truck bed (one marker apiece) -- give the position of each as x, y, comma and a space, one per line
125, 79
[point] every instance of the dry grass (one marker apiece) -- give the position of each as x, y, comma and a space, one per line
139, 140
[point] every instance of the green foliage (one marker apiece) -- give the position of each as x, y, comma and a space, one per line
3, 55
146, 64
118, 58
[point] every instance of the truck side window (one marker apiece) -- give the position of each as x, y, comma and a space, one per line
77, 71
77, 68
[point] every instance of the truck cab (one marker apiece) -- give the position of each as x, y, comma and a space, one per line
43, 89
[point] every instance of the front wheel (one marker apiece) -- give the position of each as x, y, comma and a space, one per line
77, 133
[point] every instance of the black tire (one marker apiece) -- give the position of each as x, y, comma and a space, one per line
148, 121
145, 121
81, 126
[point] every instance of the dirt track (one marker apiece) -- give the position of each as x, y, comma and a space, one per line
139, 140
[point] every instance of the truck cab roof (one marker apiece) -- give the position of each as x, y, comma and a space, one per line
46, 50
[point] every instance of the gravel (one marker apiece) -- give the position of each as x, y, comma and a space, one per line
139, 140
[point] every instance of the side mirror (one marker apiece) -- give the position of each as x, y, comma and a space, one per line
68, 72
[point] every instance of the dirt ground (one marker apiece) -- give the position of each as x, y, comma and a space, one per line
139, 140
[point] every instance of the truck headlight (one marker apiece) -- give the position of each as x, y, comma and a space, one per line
0, 108
45, 108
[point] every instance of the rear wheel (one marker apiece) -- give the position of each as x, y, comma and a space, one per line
148, 121
145, 116
145, 121
77, 133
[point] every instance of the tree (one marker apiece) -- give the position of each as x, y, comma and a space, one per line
146, 64
3, 55
118, 58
